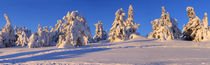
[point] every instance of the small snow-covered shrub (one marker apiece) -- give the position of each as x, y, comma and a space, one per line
100, 34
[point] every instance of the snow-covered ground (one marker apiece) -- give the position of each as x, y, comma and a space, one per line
139, 51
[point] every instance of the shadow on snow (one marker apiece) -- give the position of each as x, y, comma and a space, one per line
66, 54
51, 56
23, 53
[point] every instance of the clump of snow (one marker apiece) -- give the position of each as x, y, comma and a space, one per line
7, 36
122, 28
134, 36
74, 31
196, 30
100, 34
165, 28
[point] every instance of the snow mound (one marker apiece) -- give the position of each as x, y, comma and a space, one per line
135, 36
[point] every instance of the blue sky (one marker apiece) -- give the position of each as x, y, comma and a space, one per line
30, 13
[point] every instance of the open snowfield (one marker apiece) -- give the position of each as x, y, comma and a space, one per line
139, 51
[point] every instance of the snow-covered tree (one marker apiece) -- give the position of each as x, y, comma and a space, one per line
122, 28
22, 39
42, 38
34, 41
196, 30
22, 34
74, 31
165, 28
130, 25
118, 30
100, 34
7, 36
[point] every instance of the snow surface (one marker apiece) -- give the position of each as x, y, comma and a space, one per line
138, 51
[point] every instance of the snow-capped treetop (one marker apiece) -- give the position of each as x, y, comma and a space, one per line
130, 13
194, 21
99, 27
191, 12
8, 27
59, 26
205, 20
163, 10
7, 18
